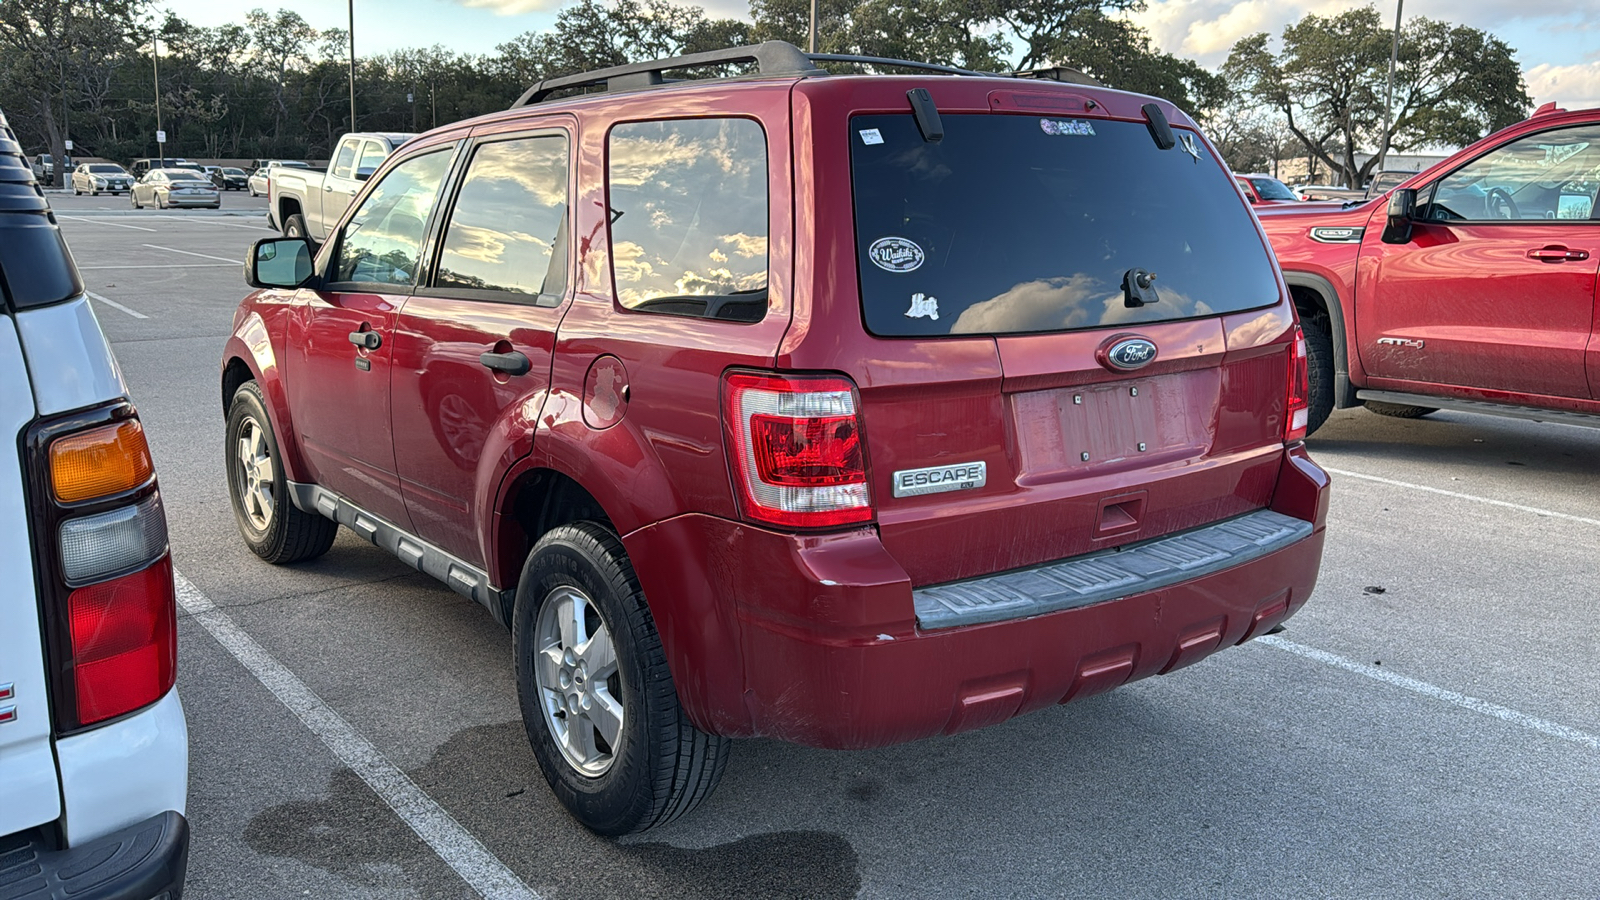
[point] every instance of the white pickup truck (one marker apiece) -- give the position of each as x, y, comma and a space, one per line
94, 750
308, 203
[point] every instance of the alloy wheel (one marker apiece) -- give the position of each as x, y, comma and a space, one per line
580, 689
255, 475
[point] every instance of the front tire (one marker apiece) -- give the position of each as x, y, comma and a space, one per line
1397, 410
272, 526
134, 199
590, 665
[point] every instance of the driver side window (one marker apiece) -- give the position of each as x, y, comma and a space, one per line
383, 240
1551, 175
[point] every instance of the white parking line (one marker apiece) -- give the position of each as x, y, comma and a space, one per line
115, 305
455, 845
1460, 496
192, 253
101, 220
1504, 714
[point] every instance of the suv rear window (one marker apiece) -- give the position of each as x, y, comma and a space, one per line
1016, 224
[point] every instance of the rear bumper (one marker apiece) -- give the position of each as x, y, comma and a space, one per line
142, 862
824, 638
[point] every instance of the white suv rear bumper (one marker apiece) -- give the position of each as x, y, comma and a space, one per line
125, 772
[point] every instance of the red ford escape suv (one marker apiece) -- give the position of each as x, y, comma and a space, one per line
846, 410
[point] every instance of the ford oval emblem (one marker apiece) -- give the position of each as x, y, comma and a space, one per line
1131, 353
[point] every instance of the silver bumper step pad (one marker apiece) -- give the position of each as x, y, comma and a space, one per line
1109, 574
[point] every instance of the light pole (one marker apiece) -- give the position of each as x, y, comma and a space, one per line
1388, 92
155, 67
352, 65
813, 26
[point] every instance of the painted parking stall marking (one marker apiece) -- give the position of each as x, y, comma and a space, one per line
115, 305
1504, 504
448, 838
1478, 705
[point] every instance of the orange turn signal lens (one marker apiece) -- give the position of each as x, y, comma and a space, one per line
100, 462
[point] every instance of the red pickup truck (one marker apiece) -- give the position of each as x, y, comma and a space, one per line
1471, 286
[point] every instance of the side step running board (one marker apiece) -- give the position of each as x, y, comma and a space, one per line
1455, 404
462, 577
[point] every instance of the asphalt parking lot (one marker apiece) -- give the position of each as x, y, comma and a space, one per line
1426, 727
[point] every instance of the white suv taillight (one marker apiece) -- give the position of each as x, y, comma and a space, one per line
1297, 408
112, 619
797, 450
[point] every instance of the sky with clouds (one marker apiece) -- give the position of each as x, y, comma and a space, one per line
1557, 41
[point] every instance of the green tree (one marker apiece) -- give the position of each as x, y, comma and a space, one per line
47, 47
1453, 84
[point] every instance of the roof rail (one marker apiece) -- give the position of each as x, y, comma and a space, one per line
771, 58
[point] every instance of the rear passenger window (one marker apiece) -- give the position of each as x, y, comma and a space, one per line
372, 156
381, 242
508, 230
688, 202
347, 155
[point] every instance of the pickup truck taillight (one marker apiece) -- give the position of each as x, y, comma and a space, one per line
105, 572
1297, 409
796, 449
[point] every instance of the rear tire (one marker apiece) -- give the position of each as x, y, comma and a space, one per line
1319, 369
272, 526
294, 226
660, 766
1398, 411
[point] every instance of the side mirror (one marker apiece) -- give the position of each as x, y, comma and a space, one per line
1402, 210
278, 263
365, 172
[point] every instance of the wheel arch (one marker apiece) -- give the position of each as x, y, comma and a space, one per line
249, 356
1314, 297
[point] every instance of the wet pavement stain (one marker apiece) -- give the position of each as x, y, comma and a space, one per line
351, 833
486, 778
784, 864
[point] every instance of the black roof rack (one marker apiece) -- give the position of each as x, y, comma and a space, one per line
770, 57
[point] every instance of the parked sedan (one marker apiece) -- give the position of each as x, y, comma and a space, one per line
1262, 189
168, 188
94, 178
229, 178
258, 182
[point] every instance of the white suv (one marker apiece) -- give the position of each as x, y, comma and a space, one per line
94, 751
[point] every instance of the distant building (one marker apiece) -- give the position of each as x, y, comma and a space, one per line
1295, 170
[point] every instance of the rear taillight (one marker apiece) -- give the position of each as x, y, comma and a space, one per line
797, 450
104, 569
1297, 409
124, 642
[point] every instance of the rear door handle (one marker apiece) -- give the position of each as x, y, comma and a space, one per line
369, 340
513, 363
1557, 253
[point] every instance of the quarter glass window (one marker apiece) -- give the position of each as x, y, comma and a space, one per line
381, 242
688, 202
508, 230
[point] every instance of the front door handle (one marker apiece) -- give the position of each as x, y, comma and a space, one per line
513, 363
369, 340
1558, 253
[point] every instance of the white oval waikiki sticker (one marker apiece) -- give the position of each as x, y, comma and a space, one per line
895, 254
